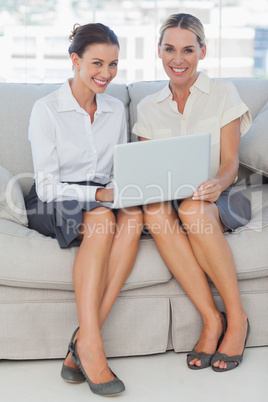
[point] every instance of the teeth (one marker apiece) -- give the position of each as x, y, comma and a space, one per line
179, 70
100, 82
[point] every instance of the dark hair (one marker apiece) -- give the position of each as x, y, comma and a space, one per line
184, 21
89, 34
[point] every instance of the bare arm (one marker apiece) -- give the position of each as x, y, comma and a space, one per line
229, 162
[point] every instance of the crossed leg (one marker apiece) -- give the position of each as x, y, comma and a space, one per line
100, 270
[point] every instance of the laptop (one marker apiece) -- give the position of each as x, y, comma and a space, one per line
160, 170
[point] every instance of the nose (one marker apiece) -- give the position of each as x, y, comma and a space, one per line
178, 58
106, 72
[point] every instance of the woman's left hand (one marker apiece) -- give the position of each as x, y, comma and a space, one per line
208, 191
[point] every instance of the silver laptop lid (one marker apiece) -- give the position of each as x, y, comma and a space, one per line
160, 170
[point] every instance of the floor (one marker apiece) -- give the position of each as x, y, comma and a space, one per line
156, 378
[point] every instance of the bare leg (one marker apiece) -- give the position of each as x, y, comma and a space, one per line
127, 235
128, 230
176, 251
214, 255
89, 277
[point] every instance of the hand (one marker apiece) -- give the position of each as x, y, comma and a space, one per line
105, 194
208, 191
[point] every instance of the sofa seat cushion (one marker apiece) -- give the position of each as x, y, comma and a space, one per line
39, 262
42, 264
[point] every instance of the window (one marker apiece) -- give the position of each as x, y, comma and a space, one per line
34, 36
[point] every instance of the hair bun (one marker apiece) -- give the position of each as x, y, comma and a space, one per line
76, 27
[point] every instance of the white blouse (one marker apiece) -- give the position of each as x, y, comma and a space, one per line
212, 104
66, 147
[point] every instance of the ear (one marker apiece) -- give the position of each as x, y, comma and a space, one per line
203, 52
159, 52
75, 61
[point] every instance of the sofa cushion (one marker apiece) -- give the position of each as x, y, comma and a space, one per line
254, 144
47, 266
12, 206
43, 264
252, 91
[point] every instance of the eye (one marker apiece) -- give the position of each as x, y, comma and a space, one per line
188, 50
114, 64
97, 63
169, 49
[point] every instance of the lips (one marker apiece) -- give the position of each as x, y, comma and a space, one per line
100, 83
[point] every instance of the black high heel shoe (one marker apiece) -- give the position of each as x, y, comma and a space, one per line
70, 374
205, 358
111, 388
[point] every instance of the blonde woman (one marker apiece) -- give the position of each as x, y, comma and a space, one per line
192, 103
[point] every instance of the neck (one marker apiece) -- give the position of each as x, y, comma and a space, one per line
182, 91
84, 96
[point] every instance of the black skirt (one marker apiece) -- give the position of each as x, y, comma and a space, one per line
59, 220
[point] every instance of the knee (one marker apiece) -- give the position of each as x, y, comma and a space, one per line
157, 216
190, 210
156, 212
99, 220
198, 217
132, 218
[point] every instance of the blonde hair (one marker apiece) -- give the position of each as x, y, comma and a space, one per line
184, 21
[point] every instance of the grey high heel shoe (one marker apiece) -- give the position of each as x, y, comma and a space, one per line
230, 360
205, 358
70, 374
111, 388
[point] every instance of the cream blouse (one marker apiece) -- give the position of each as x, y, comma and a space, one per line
212, 104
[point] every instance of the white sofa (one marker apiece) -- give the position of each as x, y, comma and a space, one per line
152, 313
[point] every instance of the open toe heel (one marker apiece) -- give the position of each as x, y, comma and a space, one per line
231, 361
205, 358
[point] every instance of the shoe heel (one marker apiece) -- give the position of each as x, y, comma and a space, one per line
73, 353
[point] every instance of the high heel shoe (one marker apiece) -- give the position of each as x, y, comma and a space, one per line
111, 388
205, 358
230, 360
70, 374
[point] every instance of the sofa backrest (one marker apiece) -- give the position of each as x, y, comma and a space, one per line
16, 102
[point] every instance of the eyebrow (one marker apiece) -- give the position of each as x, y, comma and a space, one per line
185, 47
96, 58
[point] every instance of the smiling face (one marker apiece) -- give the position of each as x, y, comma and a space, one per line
97, 67
180, 52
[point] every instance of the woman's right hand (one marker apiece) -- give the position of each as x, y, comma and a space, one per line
105, 194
